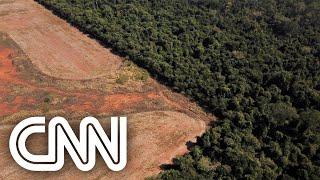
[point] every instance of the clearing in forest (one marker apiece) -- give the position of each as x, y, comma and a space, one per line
48, 68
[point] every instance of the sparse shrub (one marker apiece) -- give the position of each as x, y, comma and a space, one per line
122, 79
45, 107
142, 75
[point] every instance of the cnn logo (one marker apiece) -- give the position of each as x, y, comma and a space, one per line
61, 137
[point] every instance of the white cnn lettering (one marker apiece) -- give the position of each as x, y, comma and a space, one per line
61, 137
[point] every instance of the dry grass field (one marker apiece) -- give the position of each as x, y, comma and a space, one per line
48, 68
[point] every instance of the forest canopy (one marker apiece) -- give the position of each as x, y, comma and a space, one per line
254, 64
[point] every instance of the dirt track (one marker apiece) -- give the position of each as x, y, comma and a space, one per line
34, 81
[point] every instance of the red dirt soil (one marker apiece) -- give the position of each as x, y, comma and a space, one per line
7, 72
155, 137
156, 133
83, 102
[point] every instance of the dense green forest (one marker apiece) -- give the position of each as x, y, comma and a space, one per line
255, 64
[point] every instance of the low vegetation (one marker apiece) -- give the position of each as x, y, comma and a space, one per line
130, 71
254, 64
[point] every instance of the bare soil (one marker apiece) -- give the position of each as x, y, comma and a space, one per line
45, 72
67, 52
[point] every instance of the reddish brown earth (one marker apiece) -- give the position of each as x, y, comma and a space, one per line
48, 76
92, 102
69, 55
158, 126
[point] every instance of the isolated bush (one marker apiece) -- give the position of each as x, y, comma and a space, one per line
122, 79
